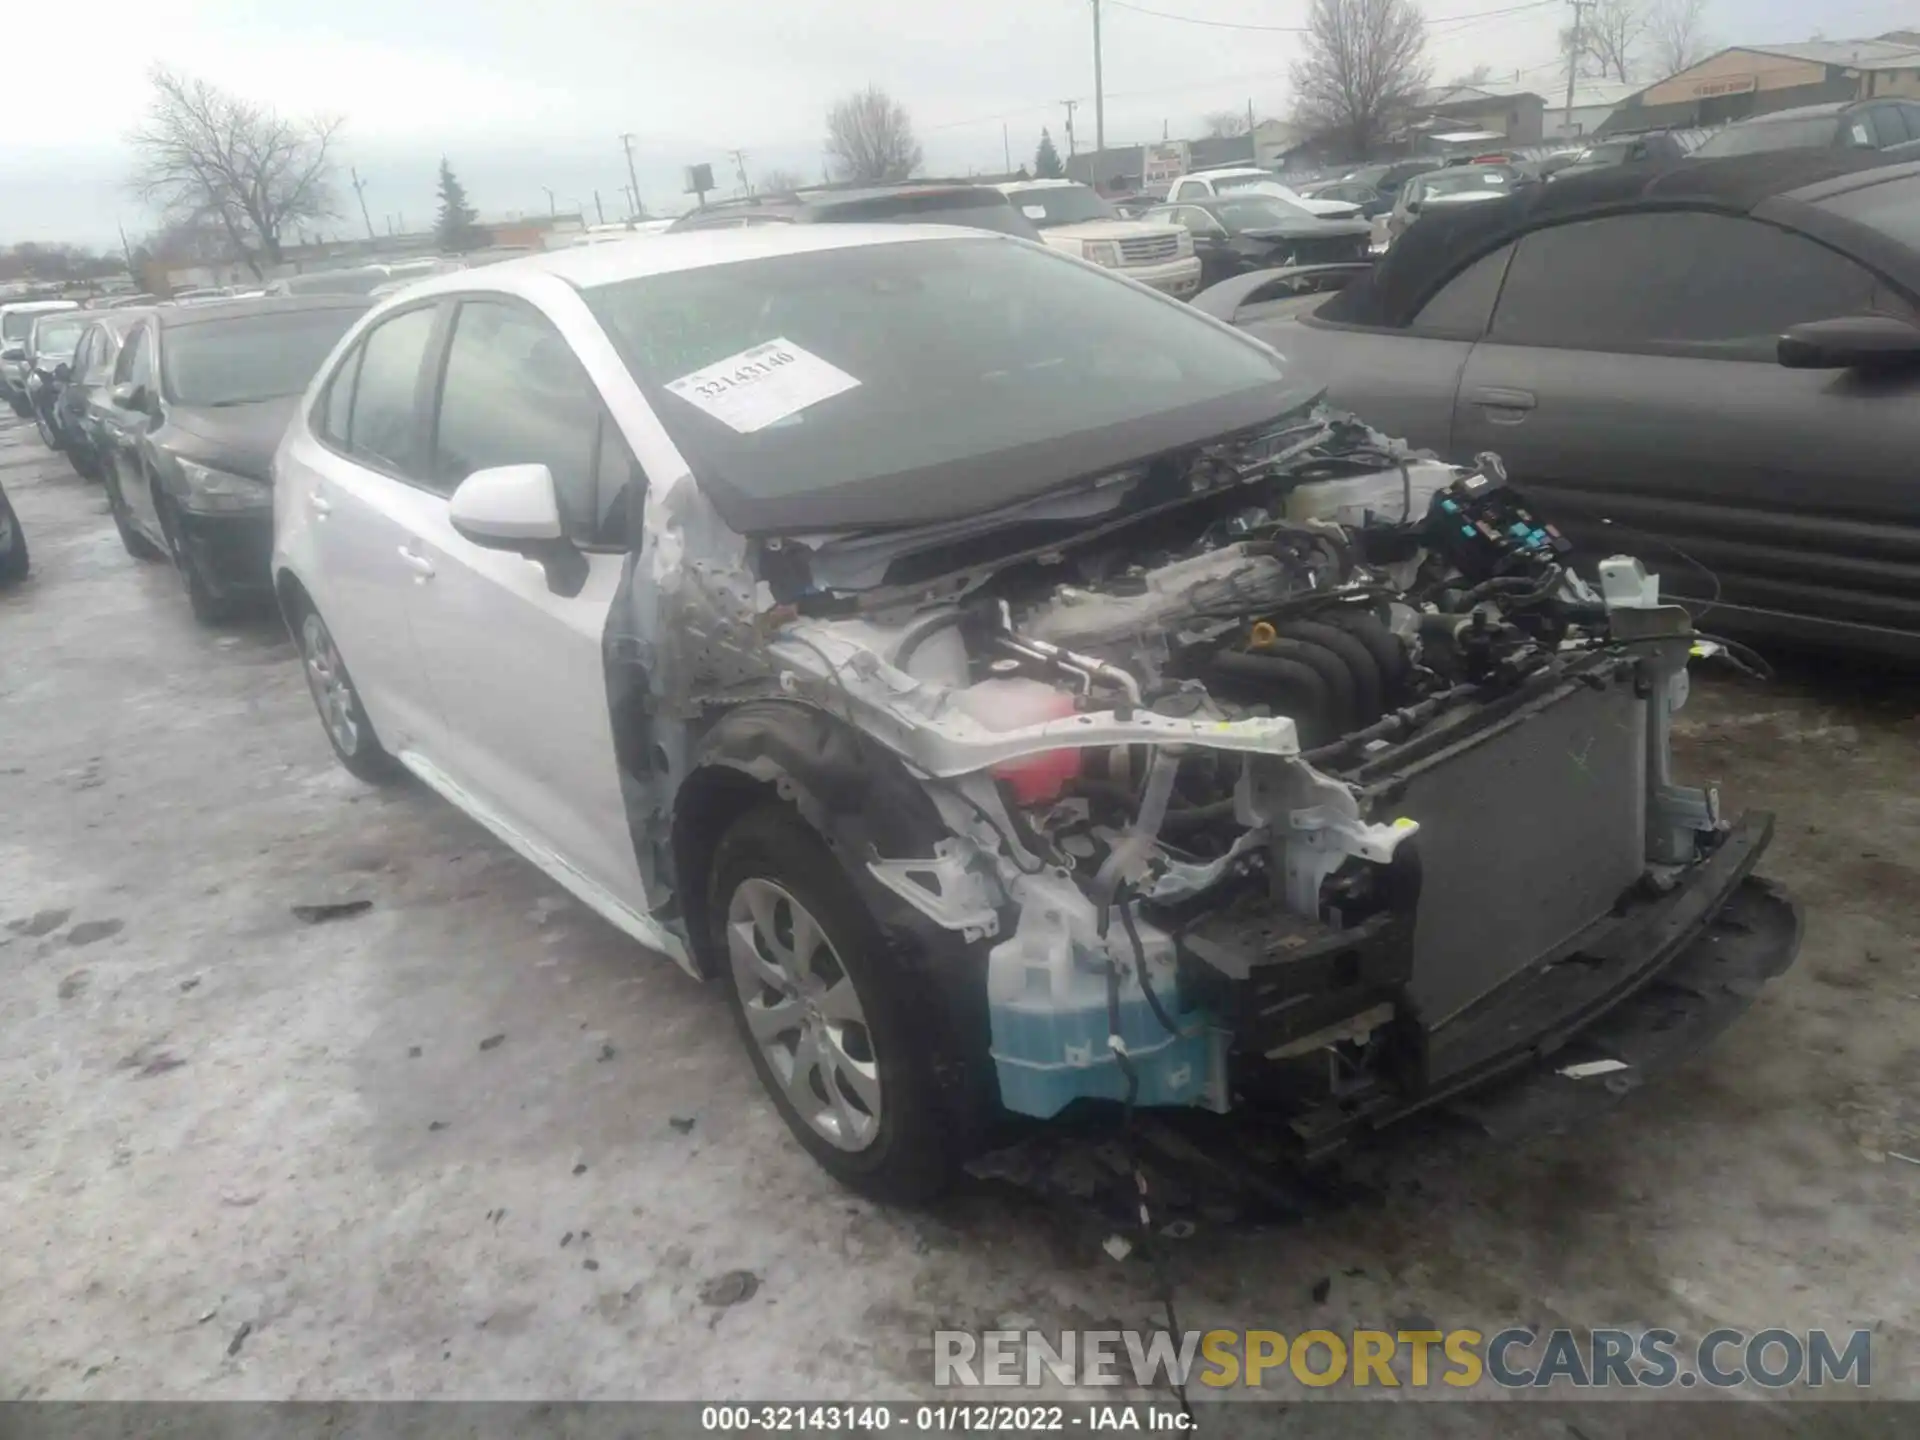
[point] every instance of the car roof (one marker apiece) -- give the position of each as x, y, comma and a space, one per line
173, 317
1800, 112
30, 306
589, 266
1009, 186
1432, 251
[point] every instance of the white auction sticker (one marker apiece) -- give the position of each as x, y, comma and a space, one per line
762, 386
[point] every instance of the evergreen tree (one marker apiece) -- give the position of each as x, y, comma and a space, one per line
1046, 160
455, 229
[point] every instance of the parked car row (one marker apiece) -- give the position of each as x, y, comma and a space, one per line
176, 410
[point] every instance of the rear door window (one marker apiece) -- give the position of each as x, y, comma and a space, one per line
384, 424
1673, 281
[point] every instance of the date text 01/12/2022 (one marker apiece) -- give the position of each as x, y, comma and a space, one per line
956, 1418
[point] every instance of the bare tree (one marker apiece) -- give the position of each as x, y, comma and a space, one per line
774, 180
206, 155
1364, 67
870, 138
1675, 27
1610, 37
1225, 124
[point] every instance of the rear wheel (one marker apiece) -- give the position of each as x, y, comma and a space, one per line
342, 716
824, 1016
47, 436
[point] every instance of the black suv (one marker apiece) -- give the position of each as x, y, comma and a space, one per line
977, 207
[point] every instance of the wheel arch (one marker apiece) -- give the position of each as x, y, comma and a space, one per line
863, 803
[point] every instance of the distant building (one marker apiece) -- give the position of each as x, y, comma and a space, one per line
1759, 79
1594, 102
1514, 117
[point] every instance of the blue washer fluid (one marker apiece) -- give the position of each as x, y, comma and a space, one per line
1048, 1013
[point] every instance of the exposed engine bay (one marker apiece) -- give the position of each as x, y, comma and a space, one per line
1300, 789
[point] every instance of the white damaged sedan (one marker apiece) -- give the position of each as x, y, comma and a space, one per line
1017, 689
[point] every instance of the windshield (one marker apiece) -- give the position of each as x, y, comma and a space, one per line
1467, 180
1812, 133
18, 324
903, 383
1050, 205
1259, 212
58, 337
250, 357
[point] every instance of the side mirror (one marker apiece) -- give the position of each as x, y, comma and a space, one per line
14, 352
128, 396
509, 507
514, 507
1851, 342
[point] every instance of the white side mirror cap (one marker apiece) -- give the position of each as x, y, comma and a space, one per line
507, 507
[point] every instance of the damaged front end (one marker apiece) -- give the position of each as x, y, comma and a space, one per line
1316, 778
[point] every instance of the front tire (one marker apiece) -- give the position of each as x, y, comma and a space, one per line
342, 716
47, 436
137, 545
825, 1018
14, 561
209, 606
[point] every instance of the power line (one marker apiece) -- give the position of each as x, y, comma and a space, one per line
1307, 30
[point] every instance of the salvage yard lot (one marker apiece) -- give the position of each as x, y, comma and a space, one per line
469, 1142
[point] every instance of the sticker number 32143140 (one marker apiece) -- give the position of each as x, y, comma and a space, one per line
763, 385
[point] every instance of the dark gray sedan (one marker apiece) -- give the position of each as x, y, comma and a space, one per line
199, 398
1617, 339
1250, 231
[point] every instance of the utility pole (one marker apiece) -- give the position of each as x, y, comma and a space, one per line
1071, 105
360, 189
599, 209
1006, 147
1573, 64
552, 208
740, 169
1099, 90
626, 142
126, 249
1249, 115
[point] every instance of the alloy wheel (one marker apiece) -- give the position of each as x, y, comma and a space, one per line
804, 1013
327, 679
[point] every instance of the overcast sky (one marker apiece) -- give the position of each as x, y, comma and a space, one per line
524, 95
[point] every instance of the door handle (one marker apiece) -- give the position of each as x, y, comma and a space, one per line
421, 566
1498, 398
319, 504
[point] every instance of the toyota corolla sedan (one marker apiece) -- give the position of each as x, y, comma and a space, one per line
1020, 692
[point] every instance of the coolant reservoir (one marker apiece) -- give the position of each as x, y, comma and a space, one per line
1012, 704
1381, 495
